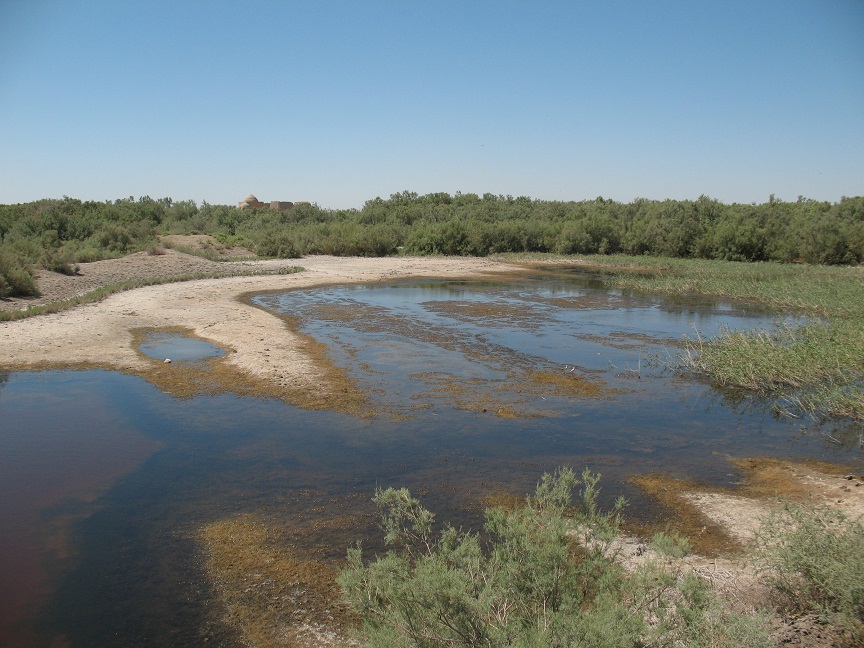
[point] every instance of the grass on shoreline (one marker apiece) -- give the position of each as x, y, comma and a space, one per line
106, 291
816, 367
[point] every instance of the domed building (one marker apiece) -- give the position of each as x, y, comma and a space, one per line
251, 202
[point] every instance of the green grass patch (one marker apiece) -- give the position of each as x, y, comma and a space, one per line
814, 367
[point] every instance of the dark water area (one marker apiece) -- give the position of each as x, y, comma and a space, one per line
105, 482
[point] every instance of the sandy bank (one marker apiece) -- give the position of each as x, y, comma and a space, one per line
263, 354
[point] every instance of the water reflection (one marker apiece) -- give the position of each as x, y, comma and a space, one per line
178, 347
484, 386
62, 446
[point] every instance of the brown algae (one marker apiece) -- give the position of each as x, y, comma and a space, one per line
272, 593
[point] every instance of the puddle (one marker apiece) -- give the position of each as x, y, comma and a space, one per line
177, 347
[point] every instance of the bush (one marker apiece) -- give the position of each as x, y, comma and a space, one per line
541, 575
277, 243
814, 559
670, 544
16, 278
59, 260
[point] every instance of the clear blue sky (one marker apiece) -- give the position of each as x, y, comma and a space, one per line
339, 102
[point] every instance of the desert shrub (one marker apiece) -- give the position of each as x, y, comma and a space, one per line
670, 544
376, 240
814, 559
468, 224
16, 278
60, 260
541, 574
85, 251
687, 613
277, 243
447, 590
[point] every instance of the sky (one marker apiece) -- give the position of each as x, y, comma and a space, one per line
339, 102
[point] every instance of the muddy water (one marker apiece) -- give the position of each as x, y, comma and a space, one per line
105, 482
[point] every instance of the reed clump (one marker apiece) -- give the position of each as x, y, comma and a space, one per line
811, 361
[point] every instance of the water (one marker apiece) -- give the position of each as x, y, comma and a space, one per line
480, 387
178, 347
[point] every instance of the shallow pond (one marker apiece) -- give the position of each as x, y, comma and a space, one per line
480, 387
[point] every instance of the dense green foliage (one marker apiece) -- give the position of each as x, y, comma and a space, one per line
543, 574
56, 234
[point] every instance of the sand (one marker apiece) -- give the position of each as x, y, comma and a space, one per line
260, 347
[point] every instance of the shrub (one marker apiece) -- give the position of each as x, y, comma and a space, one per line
670, 544
542, 574
813, 557
59, 260
277, 243
16, 278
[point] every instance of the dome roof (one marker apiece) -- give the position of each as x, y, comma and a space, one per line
250, 198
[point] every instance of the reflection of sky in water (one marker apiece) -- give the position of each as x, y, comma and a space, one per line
178, 347
311, 474
553, 325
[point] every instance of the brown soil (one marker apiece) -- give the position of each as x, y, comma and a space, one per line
721, 526
159, 263
723, 521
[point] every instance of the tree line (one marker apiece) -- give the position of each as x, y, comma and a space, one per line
57, 233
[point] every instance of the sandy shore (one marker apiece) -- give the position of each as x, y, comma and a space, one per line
260, 347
